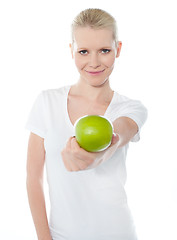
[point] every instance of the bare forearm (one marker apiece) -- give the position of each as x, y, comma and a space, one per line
110, 151
38, 208
125, 128
106, 154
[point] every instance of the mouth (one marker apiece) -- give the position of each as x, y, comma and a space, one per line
95, 72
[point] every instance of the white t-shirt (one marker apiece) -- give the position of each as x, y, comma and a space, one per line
89, 204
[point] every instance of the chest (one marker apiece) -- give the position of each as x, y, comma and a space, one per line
78, 107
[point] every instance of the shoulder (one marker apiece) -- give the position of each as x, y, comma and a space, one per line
124, 101
128, 107
62, 91
131, 108
50, 95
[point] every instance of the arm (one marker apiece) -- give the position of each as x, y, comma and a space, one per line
126, 129
34, 181
75, 158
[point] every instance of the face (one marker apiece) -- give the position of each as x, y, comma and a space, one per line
94, 52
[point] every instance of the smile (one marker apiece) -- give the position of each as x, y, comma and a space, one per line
95, 73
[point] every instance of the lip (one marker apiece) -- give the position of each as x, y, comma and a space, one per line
95, 73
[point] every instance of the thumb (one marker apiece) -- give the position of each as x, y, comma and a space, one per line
115, 138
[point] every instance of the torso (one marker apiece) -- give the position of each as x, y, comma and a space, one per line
97, 189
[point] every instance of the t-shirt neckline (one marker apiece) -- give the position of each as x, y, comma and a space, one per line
66, 106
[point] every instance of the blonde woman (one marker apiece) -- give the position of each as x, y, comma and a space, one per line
87, 196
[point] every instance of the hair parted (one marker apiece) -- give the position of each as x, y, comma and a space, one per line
96, 19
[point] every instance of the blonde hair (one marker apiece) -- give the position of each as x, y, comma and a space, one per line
96, 19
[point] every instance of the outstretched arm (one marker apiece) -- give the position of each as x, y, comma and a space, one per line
126, 128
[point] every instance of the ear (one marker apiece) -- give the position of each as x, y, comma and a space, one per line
119, 46
71, 48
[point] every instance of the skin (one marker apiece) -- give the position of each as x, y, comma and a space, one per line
34, 184
92, 51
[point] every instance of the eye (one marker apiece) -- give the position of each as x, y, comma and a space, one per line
83, 52
105, 50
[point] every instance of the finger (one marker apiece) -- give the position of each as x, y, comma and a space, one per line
64, 155
68, 143
115, 138
67, 157
81, 164
69, 162
73, 165
80, 153
76, 162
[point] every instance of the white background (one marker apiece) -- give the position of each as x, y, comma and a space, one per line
34, 55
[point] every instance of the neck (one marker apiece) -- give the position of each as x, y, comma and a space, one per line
102, 93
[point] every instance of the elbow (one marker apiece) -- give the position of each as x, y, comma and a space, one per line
33, 180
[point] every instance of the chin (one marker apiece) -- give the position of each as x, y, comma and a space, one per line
97, 82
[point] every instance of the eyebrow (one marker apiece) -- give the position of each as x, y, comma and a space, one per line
105, 47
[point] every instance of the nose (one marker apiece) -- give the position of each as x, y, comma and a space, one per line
94, 61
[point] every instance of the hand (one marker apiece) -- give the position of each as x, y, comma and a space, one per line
76, 158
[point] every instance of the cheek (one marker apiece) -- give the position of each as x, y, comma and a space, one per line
109, 61
79, 62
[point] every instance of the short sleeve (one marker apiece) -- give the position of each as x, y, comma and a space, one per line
137, 112
134, 109
36, 121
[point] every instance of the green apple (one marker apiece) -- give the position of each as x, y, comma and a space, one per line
93, 132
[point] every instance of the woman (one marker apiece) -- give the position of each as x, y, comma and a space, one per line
87, 196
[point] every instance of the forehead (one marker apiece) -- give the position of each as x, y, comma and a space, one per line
88, 37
